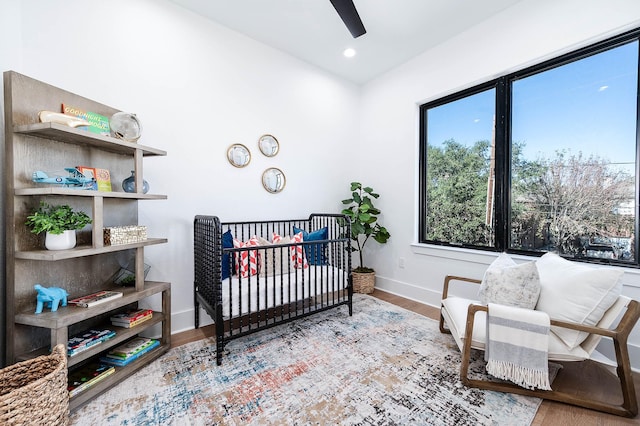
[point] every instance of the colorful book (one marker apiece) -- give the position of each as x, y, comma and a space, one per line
131, 347
86, 340
89, 172
132, 318
97, 123
121, 362
95, 298
86, 376
132, 323
131, 315
103, 178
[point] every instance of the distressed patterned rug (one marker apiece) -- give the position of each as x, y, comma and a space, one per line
382, 366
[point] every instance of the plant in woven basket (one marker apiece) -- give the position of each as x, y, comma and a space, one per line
363, 216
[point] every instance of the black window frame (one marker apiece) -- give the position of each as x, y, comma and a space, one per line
502, 86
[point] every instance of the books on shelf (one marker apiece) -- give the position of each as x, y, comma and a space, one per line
131, 318
89, 172
103, 177
86, 376
95, 298
82, 342
130, 351
97, 123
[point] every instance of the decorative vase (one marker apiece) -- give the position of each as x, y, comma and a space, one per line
129, 184
64, 241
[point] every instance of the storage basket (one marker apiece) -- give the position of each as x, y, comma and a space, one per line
34, 392
363, 282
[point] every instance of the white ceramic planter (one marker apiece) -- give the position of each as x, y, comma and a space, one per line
63, 241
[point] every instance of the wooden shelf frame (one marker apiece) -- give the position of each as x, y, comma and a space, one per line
83, 250
30, 145
120, 374
62, 133
87, 193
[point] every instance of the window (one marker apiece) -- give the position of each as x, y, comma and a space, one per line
459, 175
540, 160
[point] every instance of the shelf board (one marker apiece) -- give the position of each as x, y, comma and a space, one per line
83, 250
62, 133
122, 334
57, 190
120, 374
68, 315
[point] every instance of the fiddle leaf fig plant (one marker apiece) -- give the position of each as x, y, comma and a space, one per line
363, 216
56, 219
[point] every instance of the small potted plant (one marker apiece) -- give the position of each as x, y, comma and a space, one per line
59, 222
363, 216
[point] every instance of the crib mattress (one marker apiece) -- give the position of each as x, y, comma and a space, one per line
241, 296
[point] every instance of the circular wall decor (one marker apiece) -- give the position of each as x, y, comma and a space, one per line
238, 155
273, 180
269, 145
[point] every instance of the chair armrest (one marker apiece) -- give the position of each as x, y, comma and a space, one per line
449, 278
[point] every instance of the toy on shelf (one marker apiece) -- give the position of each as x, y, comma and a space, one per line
60, 118
76, 179
50, 297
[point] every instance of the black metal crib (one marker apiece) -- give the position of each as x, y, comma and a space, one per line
278, 276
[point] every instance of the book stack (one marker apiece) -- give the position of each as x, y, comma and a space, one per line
131, 318
95, 298
133, 349
86, 376
86, 340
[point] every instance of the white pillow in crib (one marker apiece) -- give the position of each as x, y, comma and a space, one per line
271, 259
297, 253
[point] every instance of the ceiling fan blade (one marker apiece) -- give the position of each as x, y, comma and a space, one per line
347, 11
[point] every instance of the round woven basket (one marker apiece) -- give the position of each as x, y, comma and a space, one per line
34, 392
363, 282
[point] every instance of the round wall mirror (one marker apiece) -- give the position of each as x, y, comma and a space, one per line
273, 180
268, 145
238, 155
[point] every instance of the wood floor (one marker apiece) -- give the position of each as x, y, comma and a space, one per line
574, 376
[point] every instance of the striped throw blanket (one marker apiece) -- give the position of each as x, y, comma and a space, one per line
517, 346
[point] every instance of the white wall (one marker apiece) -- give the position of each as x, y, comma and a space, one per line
522, 35
197, 87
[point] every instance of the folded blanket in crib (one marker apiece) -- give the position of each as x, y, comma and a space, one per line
517, 346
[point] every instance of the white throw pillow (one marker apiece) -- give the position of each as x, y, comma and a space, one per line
577, 293
271, 259
508, 283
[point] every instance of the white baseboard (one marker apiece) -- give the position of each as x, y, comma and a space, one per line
184, 320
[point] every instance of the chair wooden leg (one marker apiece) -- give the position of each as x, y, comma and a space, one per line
624, 372
443, 329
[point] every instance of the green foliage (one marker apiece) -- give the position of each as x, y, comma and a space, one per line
56, 219
457, 193
557, 204
362, 215
572, 199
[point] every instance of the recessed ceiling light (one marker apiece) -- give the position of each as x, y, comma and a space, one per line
349, 52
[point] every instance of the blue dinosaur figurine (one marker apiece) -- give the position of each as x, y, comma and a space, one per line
50, 297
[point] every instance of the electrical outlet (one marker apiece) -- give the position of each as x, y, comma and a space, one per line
401, 263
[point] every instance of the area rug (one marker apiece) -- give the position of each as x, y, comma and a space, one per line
382, 366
